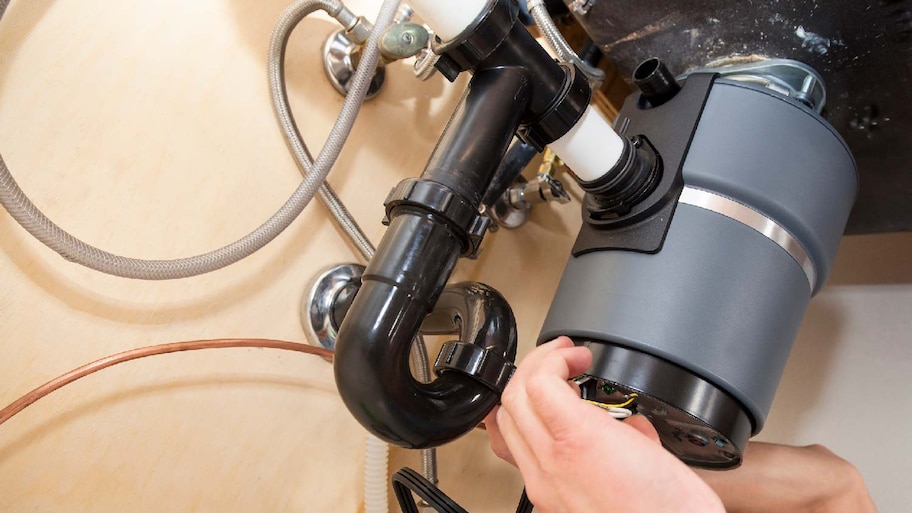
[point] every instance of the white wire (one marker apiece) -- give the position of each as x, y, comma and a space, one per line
620, 413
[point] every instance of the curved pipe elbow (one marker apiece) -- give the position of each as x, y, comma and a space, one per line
372, 363
432, 221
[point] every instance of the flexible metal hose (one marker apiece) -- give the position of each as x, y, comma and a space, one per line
276, 71
557, 42
35, 222
421, 364
343, 218
345, 221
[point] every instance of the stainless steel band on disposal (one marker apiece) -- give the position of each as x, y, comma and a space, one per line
749, 217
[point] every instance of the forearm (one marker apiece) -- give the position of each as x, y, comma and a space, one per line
786, 479
853, 498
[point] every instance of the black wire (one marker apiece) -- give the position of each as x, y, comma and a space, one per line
524, 505
407, 481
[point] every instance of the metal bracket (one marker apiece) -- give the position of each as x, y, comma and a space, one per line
787, 77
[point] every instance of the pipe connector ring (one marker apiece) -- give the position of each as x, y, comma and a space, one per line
487, 367
444, 202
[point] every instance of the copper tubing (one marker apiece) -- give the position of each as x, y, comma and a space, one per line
142, 352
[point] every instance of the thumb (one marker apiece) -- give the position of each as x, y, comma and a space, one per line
642, 424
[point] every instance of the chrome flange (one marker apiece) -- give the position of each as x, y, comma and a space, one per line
340, 60
325, 301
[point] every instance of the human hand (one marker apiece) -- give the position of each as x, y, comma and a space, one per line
574, 457
791, 479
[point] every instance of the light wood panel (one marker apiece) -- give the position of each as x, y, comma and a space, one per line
145, 128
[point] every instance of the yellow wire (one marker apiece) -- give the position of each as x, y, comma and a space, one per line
631, 398
600, 405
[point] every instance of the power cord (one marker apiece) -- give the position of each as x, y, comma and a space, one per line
406, 481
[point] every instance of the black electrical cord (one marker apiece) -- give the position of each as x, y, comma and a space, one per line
525, 506
407, 481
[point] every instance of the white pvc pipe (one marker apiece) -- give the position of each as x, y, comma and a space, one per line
591, 147
448, 18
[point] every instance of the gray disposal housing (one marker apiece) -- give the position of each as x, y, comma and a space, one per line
721, 300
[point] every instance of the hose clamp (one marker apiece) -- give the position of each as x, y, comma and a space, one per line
485, 366
439, 199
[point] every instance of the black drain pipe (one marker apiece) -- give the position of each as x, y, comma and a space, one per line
516, 89
430, 225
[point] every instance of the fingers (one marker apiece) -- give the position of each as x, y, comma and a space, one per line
520, 444
518, 431
514, 426
547, 428
505, 440
496, 439
642, 424
544, 352
566, 449
556, 405
552, 402
552, 363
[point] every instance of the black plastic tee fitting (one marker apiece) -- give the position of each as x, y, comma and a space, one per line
560, 93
